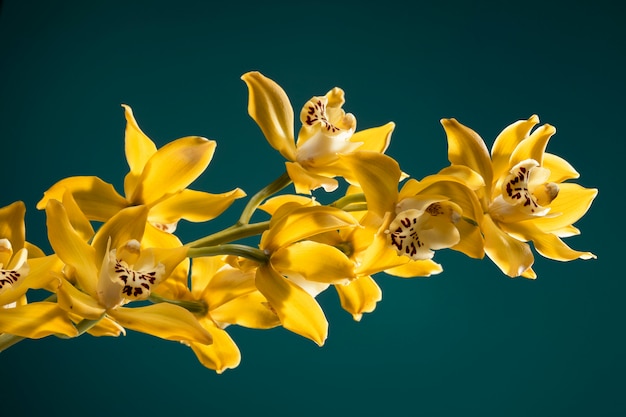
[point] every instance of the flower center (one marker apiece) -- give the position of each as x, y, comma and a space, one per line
10, 276
137, 284
316, 113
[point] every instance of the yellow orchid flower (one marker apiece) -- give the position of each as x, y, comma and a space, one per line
525, 197
326, 131
115, 269
226, 295
298, 269
18, 273
157, 179
402, 228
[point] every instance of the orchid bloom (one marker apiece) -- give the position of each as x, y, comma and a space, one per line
525, 197
116, 269
299, 269
157, 179
326, 131
18, 274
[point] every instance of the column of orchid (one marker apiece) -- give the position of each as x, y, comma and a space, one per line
118, 264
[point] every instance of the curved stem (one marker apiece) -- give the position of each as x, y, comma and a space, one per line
230, 249
272, 188
349, 199
196, 307
230, 234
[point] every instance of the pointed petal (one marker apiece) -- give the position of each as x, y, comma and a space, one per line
374, 139
378, 175
472, 241
359, 296
194, 206
534, 146
466, 147
128, 224
305, 181
166, 321
225, 285
251, 310
79, 220
172, 168
107, 327
222, 354
315, 262
547, 244
379, 256
271, 109
36, 320
40, 274
420, 268
12, 225
510, 255
571, 204
560, 169
138, 146
71, 247
302, 223
507, 141
96, 198
72, 300
202, 272
297, 310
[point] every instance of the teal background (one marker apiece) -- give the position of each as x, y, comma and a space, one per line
468, 342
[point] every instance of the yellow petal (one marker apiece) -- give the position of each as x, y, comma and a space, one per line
466, 147
302, 223
251, 310
138, 146
172, 168
271, 109
71, 247
79, 220
97, 199
272, 204
472, 242
375, 139
106, 327
297, 310
507, 141
40, 274
534, 146
378, 175
420, 268
359, 296
194, 206
547, 244
315, 262
379, 255
509, 254
304, 181
12, 224
128, 224
222, 354
72, 300
560, 169
571, 204
224, 285
36, 320
166, 321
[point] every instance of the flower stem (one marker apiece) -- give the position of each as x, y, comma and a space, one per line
229, 249
196, 307
272, 188
230, 234
349, 199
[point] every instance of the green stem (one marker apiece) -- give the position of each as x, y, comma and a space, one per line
196, 307
256, 200
229, 249
349, 199
230, 234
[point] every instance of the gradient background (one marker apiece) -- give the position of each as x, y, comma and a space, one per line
469, 342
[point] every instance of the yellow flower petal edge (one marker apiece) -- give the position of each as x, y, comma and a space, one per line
271, 109
297, 310
222, 354
359, 296
36, 320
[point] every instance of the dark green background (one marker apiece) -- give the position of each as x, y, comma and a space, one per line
469, 342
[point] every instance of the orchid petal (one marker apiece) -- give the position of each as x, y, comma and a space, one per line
507, 141
222, 354
36, 320
571, 204
509, 254
560, 169
466, 147
359, 296
172, 168
250, 310
271, 109
374, 139
305, 181
194, 206
163, 320
12, 224
412, 269
297, 310
314, 261
534, 146
96, 198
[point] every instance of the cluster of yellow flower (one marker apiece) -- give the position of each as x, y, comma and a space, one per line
484, 203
